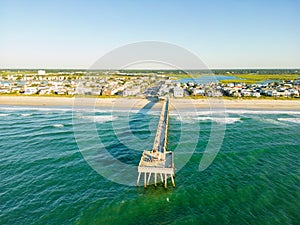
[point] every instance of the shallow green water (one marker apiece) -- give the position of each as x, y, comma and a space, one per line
255, 178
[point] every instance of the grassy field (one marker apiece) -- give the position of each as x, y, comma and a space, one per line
246, 78
258, 78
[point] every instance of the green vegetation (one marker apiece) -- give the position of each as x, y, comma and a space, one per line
238, 81
258, 78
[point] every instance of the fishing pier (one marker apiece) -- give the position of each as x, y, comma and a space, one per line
158, 162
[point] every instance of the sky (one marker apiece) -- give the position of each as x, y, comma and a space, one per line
74, 34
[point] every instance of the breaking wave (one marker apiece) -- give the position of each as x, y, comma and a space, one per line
58, 125
26, 114
291, 120
100, 119
221, 120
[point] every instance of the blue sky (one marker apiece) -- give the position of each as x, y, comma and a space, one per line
224, 34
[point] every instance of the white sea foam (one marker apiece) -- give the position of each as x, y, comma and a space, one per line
265, 112
272, 121
220, 120
233, 111
153, 112
26, 114
191, 114
34, 109
100, 119
125, 111
290, 120
58, 125
91, 109
186, 119
4, 114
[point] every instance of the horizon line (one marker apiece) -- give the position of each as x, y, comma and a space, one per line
137, 69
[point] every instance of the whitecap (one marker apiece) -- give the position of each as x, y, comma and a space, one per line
4, 114
41, 108
100, 119
225, 120
290, 120
191, 114
264, 112
272, 121
58, 125
186, 119
220, 120
110, 110
26, 114
204, 118
233, 111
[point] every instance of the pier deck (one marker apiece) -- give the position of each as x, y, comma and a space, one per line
158, 161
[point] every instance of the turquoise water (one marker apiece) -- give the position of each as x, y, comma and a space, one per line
208, 79
44, 179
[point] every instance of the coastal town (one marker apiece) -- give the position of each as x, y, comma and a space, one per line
126, 84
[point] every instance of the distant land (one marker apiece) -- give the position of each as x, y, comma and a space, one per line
234, 83
214, 71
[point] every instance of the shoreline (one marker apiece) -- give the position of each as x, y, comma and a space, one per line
140, 103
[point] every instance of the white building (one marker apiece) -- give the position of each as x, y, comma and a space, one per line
131, 91
256, 94
41, 72
198, 91
30, 90
178, 92
164, 89
168, 82
4, 91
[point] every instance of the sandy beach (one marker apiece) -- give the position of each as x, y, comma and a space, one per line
139, 103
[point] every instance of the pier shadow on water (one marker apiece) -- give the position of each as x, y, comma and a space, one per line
139, 126
139, 122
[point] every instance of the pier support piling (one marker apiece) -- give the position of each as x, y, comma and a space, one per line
149, 177
173, 183
166, 179
145, 180
138, 180
161, 178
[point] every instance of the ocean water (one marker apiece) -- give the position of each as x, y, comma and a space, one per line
44, 178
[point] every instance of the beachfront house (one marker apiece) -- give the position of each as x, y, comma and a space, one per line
4, 90
132, 91
30, 90
246, 92
294, 93
45, 91
96, 91
41, 72
16, 89
178, 92
197, 91
256, 94
164, 89
106, 92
